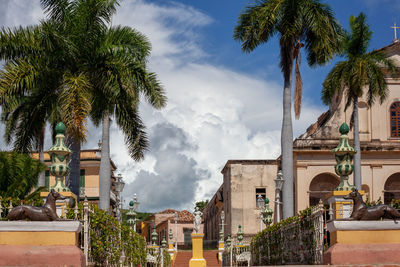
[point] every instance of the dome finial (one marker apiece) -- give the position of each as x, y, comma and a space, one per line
60, 128
344, 128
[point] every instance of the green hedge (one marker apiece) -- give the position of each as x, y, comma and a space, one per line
289, 241
105, 245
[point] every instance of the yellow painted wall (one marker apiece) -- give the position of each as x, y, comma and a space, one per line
39, 238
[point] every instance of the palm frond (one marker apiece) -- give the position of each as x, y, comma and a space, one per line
76, 104
257, 24
126, 40
323, 35
135, 136
57, 10
19, 42
17, 77
299, 83
358, 41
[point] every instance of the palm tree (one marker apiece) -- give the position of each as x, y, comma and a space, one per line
103, 68
118, 83
298, 23
41, 83
114, 60
360, 71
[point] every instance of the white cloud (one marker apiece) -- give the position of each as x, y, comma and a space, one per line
225, 114
213, 114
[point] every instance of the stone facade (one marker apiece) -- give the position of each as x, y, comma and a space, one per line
243, 181
314, 174
165, 221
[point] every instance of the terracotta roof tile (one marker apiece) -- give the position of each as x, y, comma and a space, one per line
185, 216
168, 211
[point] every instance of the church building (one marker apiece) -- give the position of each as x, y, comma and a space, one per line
314, 175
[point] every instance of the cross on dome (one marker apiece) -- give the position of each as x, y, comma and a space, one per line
394, 27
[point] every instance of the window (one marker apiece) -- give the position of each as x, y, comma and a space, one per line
82, 189
47, 179
260, 191
82, 179
395, 119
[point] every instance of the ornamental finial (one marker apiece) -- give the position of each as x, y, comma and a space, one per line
344, 159
59, 157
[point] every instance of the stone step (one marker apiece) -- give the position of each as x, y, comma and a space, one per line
183, 258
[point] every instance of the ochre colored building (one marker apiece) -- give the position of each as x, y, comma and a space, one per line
89, 175
314, 175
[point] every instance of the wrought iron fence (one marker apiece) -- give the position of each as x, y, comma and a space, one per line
296, 240
157, 257
236, 255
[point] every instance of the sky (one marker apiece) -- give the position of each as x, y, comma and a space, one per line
222, 103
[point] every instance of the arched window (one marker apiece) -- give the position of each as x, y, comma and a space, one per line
365, 188
395, 119
392, 188
320, 186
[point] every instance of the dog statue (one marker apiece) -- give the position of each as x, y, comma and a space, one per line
362, 212
45, 213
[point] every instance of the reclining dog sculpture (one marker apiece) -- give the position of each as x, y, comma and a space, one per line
45, 213
364, 213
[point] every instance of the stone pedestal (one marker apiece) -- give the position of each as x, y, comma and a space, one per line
25, 243
341, 207
363, 242
197, 259
220, 250
171, 251
61, 205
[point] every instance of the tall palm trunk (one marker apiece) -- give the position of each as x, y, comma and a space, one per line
42, 176
287, 132
105, 166
357, 146
75, 165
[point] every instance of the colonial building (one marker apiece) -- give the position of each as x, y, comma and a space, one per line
314, 175
89, 175
164, 221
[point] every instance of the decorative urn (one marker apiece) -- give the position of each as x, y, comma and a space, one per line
240, 235
59, 157
267, 213
344, 159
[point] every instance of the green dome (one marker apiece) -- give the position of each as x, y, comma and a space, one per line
266, 200
131, 203
60, 128
344, 128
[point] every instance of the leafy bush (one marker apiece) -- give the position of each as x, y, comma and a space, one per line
18, 174
105, 245
134, 246
5, 203
291, 240
373, 203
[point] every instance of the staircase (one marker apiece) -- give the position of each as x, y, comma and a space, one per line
211, 258
183, 257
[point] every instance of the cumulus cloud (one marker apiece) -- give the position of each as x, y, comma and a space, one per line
225, 114
175, 177
21, 12
213, 114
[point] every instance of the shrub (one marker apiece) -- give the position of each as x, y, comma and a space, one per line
105, 245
